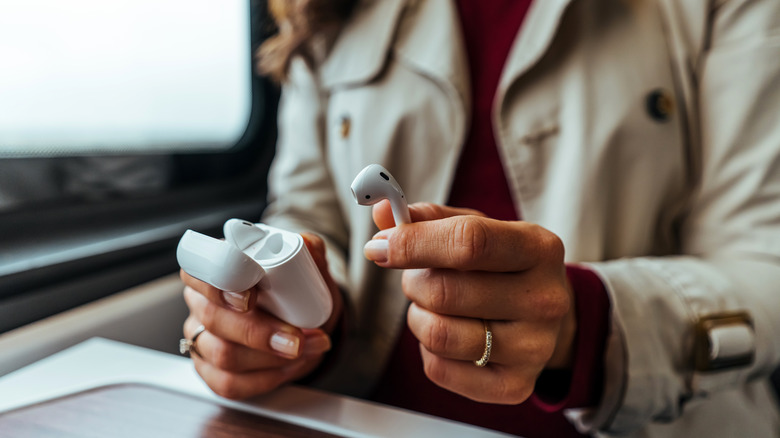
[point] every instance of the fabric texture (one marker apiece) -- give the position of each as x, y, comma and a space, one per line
678, 217
480, 183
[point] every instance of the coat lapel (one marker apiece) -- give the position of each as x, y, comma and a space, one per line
536, 34
430, 40
359, 53
424, 34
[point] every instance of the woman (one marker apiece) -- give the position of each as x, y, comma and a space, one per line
635, 139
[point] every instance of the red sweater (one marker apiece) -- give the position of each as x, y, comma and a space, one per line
489, 29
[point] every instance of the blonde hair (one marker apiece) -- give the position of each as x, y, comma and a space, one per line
298, 22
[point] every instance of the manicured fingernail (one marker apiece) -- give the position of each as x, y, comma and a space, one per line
237, 300
286, 344
314, 345
376, 250
384, 234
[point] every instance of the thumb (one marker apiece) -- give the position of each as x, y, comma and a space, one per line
419, 211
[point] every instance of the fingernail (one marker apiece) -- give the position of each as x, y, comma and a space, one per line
316, 345
376, 250
286, 344
384, 234
237, 300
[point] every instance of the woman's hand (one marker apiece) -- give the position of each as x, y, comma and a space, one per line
462, 268
246, 351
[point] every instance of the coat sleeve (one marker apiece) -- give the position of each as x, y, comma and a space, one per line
730, 238
301, 191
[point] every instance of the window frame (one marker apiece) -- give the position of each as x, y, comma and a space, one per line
58, 255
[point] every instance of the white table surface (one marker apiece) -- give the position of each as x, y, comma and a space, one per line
99, 362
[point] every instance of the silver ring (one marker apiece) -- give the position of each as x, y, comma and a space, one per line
187, 346
483, 361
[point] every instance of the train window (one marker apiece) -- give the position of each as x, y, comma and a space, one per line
122, 124
90, 76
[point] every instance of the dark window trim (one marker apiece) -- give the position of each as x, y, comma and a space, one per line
58, 255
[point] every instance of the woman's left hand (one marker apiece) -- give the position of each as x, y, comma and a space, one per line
462, 268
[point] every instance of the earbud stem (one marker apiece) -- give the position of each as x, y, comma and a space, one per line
400, 212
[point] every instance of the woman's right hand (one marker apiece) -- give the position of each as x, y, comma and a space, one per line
246, 351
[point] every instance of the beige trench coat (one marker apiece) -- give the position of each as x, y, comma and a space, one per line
678, 212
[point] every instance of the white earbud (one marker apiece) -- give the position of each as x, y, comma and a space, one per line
375, 183
241, 233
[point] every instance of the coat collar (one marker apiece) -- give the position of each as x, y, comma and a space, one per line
539, 28
360, 50
426, 34
430, 40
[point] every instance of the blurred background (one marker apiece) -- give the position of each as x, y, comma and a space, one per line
122, 124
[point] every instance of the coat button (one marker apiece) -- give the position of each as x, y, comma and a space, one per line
346, 125
660, 105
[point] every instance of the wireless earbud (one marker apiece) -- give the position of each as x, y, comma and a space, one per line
375, 183
241, 233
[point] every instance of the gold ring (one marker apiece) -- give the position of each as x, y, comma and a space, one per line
482, 361
188, 345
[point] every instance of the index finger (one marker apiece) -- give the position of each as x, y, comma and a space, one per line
256, 329
382, 213
239, 301
466, 243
